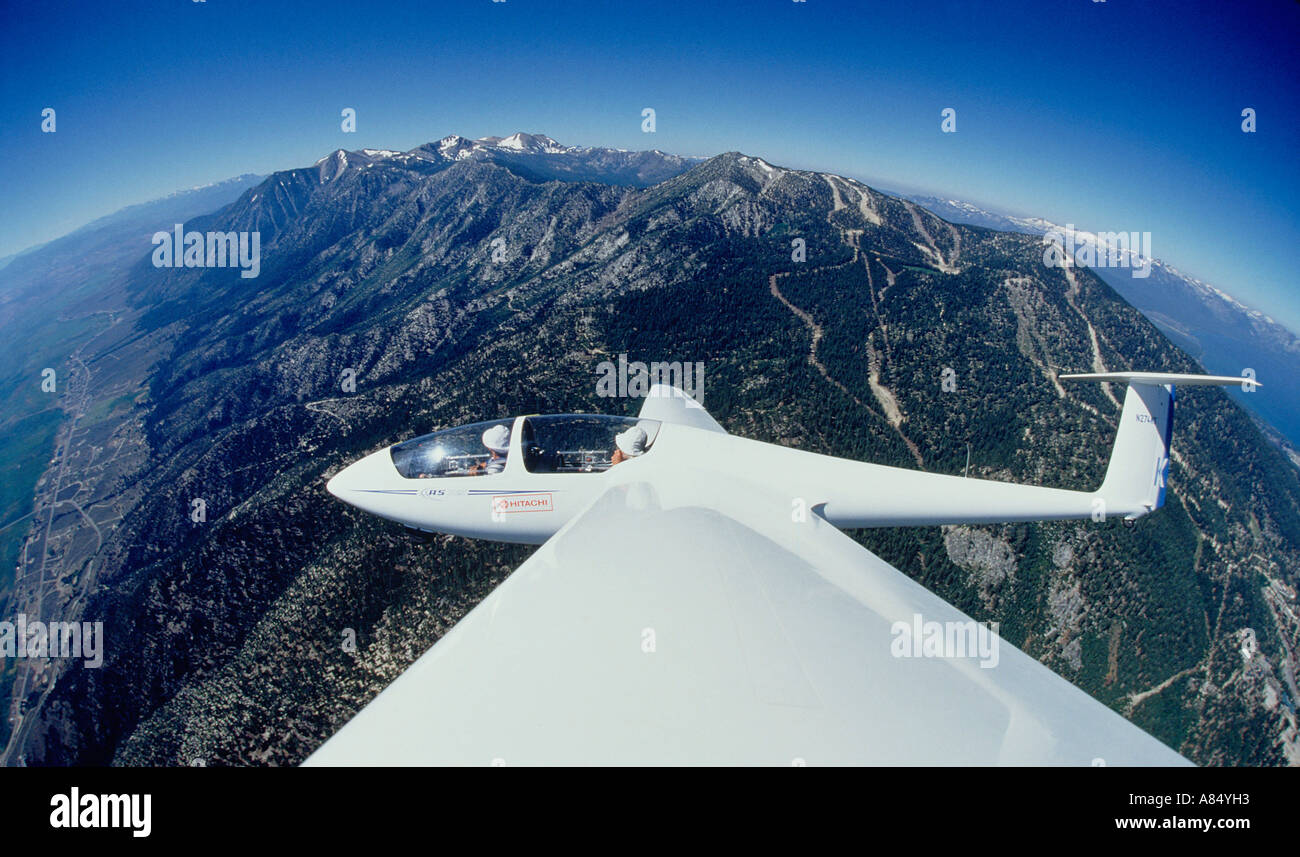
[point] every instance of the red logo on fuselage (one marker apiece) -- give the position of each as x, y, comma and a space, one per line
506, 504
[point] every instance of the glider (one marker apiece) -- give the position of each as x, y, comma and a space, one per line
693, 601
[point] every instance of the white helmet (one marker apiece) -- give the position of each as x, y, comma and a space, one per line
631, 442
497, 439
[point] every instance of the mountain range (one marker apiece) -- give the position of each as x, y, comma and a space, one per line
533, 155
468, 280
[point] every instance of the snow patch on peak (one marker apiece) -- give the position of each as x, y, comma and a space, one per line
530, 143
333, 165
771, 171
514, 141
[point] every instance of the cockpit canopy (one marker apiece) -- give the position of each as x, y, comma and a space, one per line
451, 452
578, 443
558, 443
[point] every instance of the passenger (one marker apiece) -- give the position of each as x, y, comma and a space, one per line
628, 444
497, 441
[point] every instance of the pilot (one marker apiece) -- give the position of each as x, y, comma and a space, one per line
497, 441
628, 444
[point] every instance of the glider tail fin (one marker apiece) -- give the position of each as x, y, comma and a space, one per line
1139, 462
671, 404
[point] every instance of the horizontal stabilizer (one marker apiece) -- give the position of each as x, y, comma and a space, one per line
1164, 378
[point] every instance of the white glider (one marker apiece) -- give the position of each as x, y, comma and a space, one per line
695, 602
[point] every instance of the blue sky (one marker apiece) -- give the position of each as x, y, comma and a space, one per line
1113, 116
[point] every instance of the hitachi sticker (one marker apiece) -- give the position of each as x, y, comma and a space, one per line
505, 504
